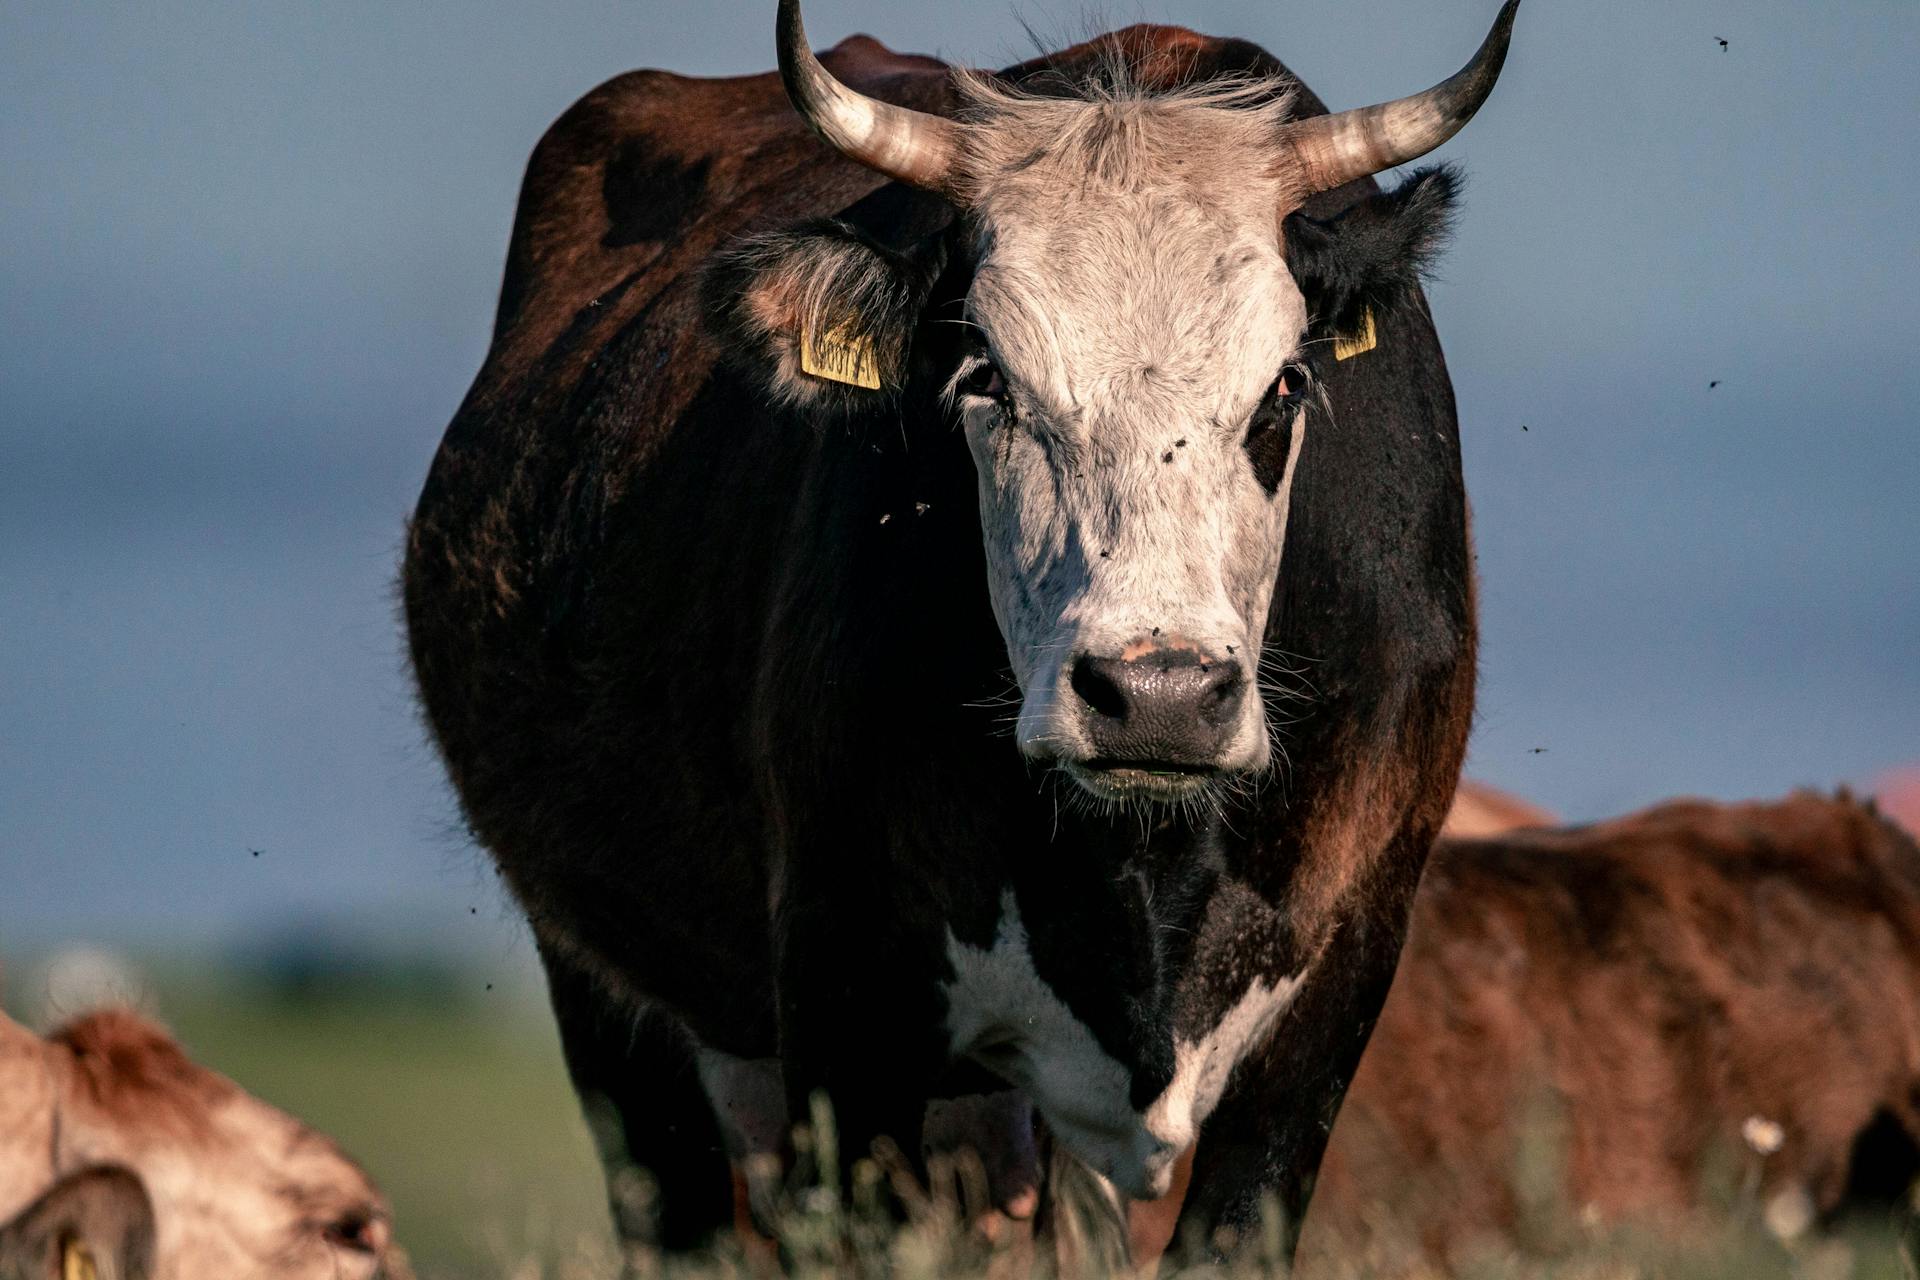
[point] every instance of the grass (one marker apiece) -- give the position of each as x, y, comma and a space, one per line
463, 1113
460, 1107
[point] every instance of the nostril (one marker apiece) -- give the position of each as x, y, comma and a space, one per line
1097, 687
1225, 689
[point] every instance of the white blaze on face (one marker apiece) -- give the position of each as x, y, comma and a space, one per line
1002, 1014
1131, 286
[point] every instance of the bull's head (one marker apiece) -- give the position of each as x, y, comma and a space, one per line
1144, 314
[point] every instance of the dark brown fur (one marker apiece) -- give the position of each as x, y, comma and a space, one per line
1641, 987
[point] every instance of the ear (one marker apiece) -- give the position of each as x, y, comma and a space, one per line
1373, 254
94, 1223
826, 291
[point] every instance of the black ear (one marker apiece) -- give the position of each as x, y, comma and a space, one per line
1373, 254
850, 301
97, 1222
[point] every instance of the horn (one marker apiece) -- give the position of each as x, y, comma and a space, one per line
1339, 148
914, 147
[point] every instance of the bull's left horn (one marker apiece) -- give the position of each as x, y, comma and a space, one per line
914, 147
1339, 148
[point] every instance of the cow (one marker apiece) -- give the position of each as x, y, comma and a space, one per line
849, 605
1481, 810
111, 1134
1694, 1000
1897, 793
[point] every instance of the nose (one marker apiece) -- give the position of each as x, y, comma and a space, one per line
1171, 708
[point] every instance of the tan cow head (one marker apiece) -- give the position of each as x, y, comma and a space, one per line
238, 1188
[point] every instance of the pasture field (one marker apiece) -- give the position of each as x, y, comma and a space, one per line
458, 1103
460, 1108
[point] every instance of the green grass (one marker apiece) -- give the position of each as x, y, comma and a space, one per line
459, 1107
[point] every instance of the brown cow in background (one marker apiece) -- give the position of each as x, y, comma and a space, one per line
1481, 810
1691, 995
108, 1115
1897, 794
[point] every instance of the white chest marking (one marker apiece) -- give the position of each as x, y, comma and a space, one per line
1202, 1067
1002, 1014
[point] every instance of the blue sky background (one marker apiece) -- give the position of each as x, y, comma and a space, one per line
248, 259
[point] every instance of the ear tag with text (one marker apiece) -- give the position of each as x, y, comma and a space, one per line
840, 354
1346, 346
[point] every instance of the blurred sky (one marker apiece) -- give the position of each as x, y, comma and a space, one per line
248, 259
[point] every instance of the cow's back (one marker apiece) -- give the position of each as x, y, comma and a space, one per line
1585, 1019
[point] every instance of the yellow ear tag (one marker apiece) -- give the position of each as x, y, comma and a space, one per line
76, 1262
1354, 344
840, 354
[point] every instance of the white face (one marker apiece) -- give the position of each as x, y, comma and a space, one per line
1128, 334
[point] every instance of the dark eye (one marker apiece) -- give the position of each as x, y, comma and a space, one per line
360, 1231
1290, 385
984, 380
1278, 405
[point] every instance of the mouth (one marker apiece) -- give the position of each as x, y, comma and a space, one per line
1134, 780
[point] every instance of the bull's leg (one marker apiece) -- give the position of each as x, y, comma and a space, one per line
643, 1099
1260, 1150
1251, 1179
861, 1020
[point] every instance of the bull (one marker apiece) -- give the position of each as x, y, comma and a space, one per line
850, 605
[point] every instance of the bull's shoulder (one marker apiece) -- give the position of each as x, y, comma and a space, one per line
616, 178
644, 175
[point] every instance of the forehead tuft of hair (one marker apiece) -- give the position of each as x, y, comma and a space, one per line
1127, 119
132, 1069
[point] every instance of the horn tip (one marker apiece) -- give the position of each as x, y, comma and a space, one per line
790, 32
1503, 25
1487, 63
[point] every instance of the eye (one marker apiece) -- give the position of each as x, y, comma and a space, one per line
983, 380
359, 1231
1290, 385
1278, 405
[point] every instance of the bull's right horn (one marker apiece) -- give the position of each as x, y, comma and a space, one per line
1336, 149
914, 147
